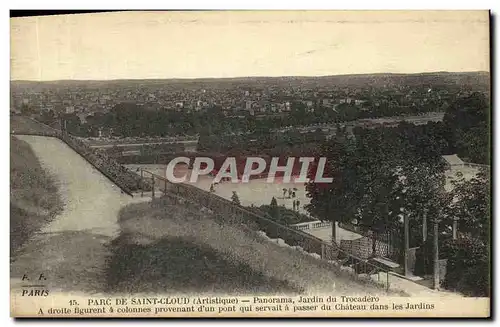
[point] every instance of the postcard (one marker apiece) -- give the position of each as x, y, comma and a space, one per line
250, 164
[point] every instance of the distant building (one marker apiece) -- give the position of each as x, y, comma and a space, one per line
198, 105
456, 168
346, 100
453, 161
248, 105
83, 117
13, 110
308, 103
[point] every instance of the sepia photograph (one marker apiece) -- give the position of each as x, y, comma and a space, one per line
298, 163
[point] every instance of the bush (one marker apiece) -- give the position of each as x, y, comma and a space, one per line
284, 215
235, 198
468, 267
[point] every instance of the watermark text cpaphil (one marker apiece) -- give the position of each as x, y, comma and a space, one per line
294, 170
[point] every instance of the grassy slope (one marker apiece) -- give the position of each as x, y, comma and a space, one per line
174, 248
34, 200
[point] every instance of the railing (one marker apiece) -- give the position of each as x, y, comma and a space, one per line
474, 165
116, 174
361, 247
387, 244
228, 211
312, 225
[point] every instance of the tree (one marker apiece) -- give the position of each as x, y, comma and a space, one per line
468, 255
419, 193
47, 117
273, 209
284, 216
467, 112
468, 266
371, 180
473, 144
471, 206
334, 201
235, 198
466, 121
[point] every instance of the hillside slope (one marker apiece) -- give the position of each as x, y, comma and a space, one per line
171, 246
34, 198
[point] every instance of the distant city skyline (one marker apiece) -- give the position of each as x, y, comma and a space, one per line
221, 44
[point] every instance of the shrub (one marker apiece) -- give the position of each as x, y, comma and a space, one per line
468, 267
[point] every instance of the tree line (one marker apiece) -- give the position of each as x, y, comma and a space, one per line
383, 175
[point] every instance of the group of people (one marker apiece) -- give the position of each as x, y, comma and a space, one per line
296, 205
213, 184
289, 193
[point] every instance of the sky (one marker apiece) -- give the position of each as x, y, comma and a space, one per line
142, 45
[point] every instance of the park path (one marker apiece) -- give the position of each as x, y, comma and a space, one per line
91, 200
71, 248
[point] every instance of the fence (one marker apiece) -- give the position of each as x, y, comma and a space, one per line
312, 225
388, 244
474, 165
116, 173
228, 211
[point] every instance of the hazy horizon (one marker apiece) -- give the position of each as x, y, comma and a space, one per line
251, 77
244, 44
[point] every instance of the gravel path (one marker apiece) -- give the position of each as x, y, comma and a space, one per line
71, 248
91, 201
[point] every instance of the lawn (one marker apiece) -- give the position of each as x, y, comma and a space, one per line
176, 248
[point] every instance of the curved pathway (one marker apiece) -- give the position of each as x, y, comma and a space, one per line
71, 249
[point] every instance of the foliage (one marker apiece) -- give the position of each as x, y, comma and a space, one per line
471, 206
468, 267
379, 176
235, 198
274, 203
284, 215
467, 123
273, 209
468, 255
